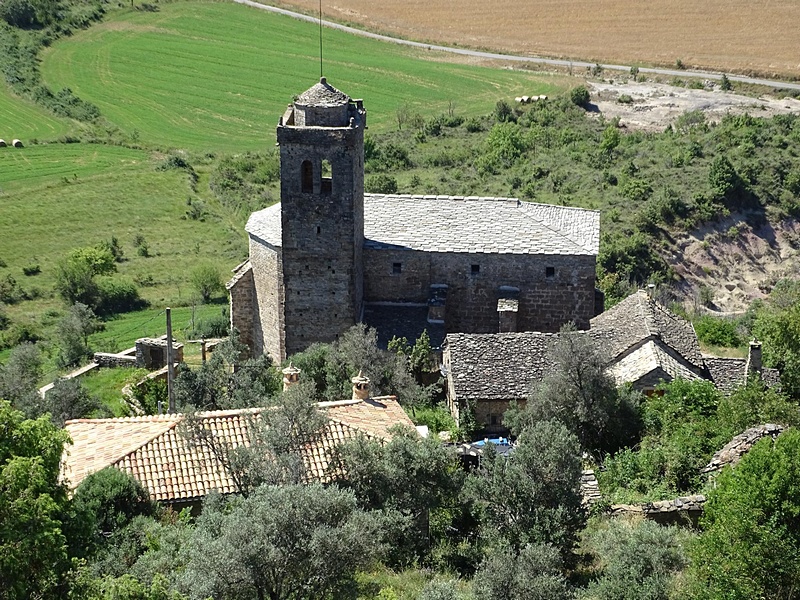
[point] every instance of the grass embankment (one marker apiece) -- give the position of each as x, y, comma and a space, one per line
217, 76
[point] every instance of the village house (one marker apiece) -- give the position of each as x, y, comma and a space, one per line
177, 472
643, 342
328, 255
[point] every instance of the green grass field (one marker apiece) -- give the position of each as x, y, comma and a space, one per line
21, 119
217, 76
58, 197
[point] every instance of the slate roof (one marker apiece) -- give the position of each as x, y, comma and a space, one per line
152, 450
497, 366
728, 374
461, 224
402, 320
238, 271
322, 94
646, 359
638, 318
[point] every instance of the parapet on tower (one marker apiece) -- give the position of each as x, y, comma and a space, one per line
321, 139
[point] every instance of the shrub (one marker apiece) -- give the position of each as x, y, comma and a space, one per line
625, 99
503, 112
580, 96
474, 125
31, 270
534, 574
117, 295
213, 327
10, 291
639, 560
380, 184
717, 332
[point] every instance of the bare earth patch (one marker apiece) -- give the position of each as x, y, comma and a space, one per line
740, 262
654, 106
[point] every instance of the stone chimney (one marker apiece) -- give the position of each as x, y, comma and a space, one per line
291, 375
753, 365
360, 387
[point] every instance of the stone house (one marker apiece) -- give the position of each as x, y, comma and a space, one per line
329, 256
178, 473
643, 341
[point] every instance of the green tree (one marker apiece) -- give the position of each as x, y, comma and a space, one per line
73, 332
206, 281
580, 394
277, 435
750, 545
75, 274
536, 573
533, 495
778, 326
332, 366
228, 380
33, 550
19, 378
413, 476
68, 399
104, 503
292, 542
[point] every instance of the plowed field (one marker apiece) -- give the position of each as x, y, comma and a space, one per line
748, 36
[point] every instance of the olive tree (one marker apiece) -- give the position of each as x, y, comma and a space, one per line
290, 542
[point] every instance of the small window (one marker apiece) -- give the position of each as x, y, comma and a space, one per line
397, 268
550, 272
476, 269
493, 419
319, 229
306, 177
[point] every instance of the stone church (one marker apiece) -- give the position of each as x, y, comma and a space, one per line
328, 255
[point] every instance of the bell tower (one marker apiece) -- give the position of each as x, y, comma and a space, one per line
321, 139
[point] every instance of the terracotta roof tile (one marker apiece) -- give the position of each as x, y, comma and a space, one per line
152, 450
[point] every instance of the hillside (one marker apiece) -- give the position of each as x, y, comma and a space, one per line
182, 151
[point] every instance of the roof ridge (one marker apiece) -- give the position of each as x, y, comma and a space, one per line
558, 232
509, 199
149, 440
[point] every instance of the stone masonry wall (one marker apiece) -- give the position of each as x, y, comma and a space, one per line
322, 234
545, 302
268, 324
244, 311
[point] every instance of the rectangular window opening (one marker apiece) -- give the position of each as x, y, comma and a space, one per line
319, 229
397, 268
550, 272
475, 269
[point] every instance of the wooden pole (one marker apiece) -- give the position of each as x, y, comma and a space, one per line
170, 362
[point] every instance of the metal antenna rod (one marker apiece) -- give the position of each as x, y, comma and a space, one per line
320, 38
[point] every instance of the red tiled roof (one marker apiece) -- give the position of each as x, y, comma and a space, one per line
152, 449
